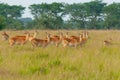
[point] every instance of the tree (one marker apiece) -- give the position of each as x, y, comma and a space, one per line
47, 15
39, 9
77, 14
112, 16
4, 9
15, 11
10, 15
2, 22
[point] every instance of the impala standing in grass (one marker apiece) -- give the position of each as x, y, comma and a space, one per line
5, 36
40, 42
19, 39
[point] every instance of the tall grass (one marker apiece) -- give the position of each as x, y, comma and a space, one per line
92, 61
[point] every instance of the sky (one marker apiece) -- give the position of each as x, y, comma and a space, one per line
27, 3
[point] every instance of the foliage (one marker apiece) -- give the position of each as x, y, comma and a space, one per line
2, 22
112, 18
11, 15
89, 15
48, 16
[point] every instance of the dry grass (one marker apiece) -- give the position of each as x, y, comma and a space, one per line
92, 61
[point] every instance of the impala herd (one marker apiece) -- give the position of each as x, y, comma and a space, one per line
64, 39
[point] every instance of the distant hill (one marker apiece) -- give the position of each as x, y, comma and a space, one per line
26, 20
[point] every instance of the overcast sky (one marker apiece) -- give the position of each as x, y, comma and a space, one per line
26, 3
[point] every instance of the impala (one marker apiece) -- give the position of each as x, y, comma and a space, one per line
19, 39
68, 42
78, 38
107, 42
5, 36
55, 40
40, 42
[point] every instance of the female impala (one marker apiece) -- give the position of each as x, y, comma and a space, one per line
5, 36
107, 42
40, 42
19, 39
55, 40
78, 38
69, 42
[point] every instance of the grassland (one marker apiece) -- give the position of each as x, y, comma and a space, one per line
92, 61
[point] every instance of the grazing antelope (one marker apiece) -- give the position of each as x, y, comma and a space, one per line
40, 42
107, 42
5, 36
19, 39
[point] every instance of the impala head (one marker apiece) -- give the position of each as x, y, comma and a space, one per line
5, 36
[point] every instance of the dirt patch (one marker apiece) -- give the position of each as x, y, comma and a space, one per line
7, 74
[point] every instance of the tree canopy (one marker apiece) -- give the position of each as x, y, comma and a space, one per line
89, 15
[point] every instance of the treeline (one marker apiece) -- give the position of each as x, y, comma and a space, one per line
90, 15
